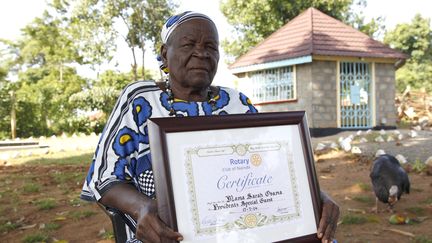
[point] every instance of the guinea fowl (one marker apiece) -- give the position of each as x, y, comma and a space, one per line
389, 180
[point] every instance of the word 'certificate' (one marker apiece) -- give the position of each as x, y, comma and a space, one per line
241, 186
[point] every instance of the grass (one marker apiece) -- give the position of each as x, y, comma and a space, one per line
8, 226
364, 187
34, 238
81, 214
31, 188
353, 219
427, 201
107, 235
65, 177
52, 226
363, 199
422, 239
350, 219
46, 204
58, 158
416, 210
418, 166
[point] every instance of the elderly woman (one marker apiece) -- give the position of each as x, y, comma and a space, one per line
120, 175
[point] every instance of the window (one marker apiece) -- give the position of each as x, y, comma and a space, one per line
272, 85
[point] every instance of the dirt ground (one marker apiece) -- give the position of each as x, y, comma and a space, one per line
39, 203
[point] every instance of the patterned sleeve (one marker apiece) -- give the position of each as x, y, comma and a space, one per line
123, 142
247, 102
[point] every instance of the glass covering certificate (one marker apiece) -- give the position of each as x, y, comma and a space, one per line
241, 186
237, 178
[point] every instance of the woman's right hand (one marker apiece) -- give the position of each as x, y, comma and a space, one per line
150, 228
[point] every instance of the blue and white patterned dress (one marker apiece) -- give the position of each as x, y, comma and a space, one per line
123, 152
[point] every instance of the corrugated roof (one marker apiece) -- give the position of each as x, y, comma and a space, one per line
315, 33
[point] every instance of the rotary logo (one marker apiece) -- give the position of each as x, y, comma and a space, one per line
250, 220
256, 159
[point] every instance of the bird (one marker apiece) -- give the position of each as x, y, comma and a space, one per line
389, 181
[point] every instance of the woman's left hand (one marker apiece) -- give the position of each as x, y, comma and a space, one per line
329, 219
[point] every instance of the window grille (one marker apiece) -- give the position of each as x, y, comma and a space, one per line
355, 95
272, 85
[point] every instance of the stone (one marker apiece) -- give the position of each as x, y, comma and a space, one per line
356, 150
417, 128
346, 144
382, 132
320, 146
334, 146
379, 152
428, 164
359, 133
412, 134
401, 159
363, 140
368, 131
410, 113
53, 137
423, 121
400, 137
42, 138
428, 161
340, 139
396, 132
390, 139
379, 139
63, 135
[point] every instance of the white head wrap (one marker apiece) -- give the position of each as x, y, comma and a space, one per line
177, 20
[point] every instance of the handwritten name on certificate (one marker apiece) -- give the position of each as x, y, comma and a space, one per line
241, 186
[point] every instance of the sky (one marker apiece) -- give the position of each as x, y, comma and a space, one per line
15, 14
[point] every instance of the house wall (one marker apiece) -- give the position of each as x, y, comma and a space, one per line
385, 94
324, 96
317, 95
303, 102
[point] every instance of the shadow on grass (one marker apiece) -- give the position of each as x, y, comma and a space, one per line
61, 158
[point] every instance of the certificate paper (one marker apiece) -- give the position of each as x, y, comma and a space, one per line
248, 186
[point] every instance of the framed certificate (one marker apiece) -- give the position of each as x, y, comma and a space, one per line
236, 178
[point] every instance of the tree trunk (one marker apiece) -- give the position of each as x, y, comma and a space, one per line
13, 115
134, 65
143, 67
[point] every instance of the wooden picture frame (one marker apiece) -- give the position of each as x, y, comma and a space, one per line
197, 160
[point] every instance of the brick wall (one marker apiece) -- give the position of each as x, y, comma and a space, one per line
303, 102
324, 100
385, 93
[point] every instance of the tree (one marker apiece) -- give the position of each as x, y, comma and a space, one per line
254, 20
141, 19
414, 39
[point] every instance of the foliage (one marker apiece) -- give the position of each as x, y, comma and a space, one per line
46, 204
141, 19
414, 39
255, 20
354, 219
418, 166
35, 238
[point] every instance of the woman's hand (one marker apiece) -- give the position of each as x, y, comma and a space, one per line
329, 219
150, 228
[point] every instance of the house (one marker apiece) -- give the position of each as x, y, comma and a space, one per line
341, 77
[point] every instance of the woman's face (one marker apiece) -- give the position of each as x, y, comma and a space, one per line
192, 54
